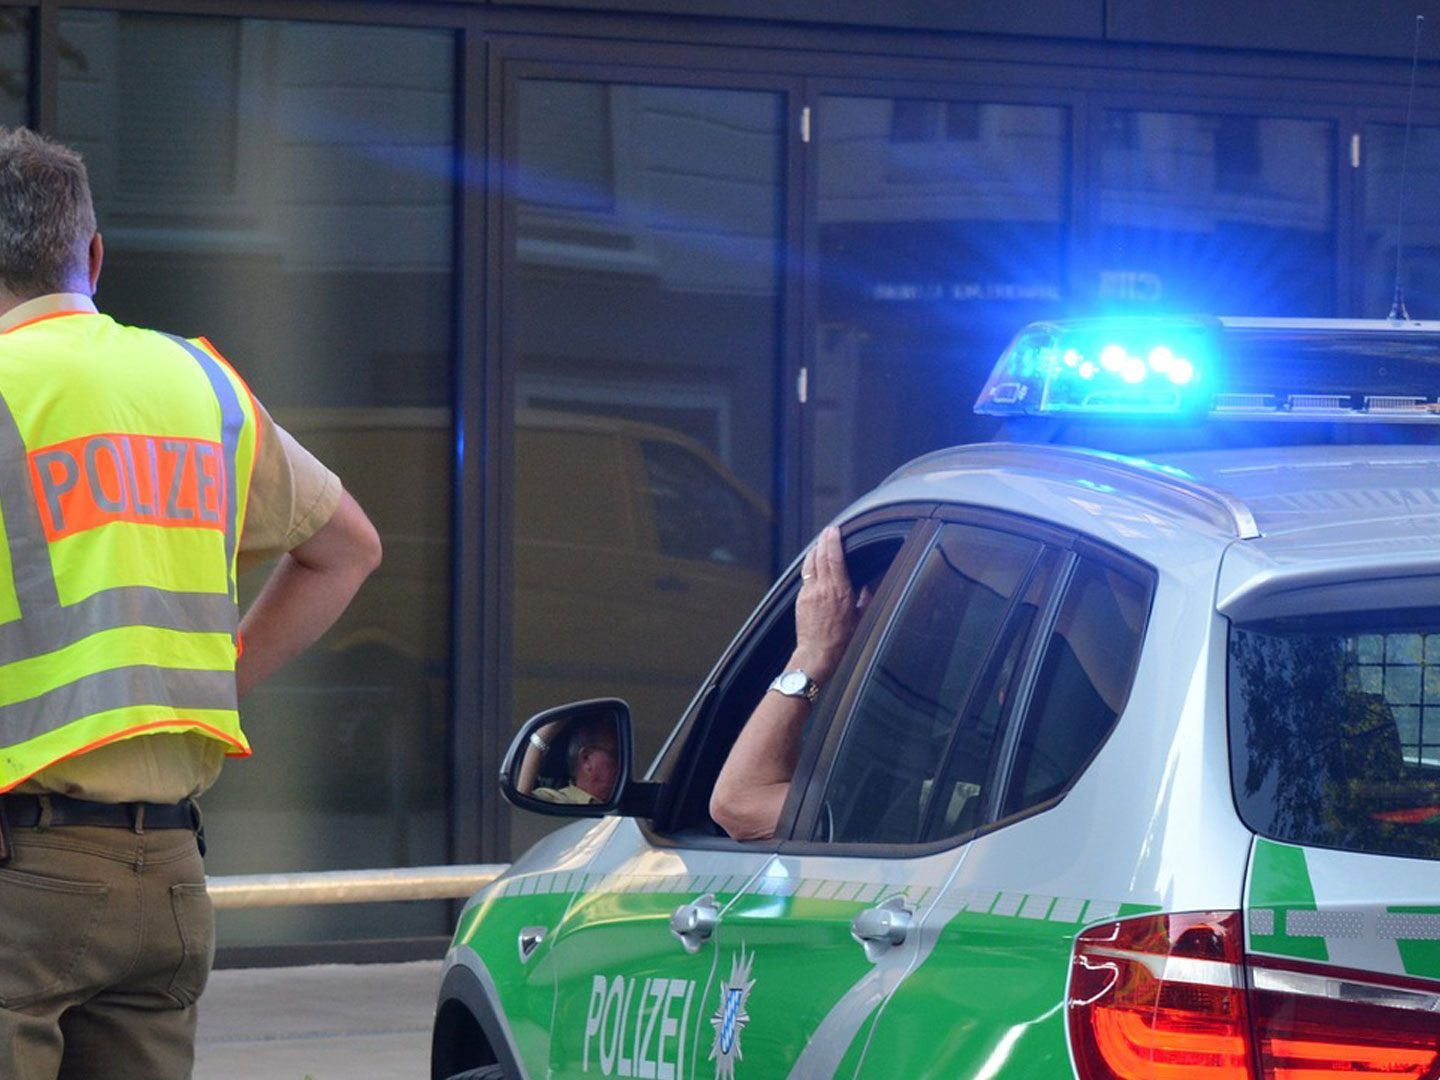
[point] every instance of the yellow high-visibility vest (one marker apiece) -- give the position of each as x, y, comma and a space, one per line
125, 463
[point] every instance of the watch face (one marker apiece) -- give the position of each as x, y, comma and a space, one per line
793, 682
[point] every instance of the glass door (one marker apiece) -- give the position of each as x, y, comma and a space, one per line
642, 298
1215, 211
941, 226
287, 189
1397, 220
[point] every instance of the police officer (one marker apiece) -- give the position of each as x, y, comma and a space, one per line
129, 462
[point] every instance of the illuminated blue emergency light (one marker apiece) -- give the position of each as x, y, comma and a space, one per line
1193, 367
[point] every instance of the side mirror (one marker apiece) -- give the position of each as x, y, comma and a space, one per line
571, 761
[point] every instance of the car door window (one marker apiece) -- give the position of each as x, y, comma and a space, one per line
936, 654
690, 765
957, 806
1084, 680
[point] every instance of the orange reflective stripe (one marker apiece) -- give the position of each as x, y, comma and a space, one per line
43, 318
234, 747
94, 480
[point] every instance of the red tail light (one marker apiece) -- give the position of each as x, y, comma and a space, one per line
1169, 997
1319, 1023
1161, 998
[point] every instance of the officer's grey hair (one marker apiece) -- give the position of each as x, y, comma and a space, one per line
47, 218
594, 734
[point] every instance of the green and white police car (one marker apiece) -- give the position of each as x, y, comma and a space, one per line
1131, 770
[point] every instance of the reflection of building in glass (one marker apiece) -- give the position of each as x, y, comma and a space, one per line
286, 189
941, 228
1198, 210
645, 418
1384, 150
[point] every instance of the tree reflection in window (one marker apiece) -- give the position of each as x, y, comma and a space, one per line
1326, 737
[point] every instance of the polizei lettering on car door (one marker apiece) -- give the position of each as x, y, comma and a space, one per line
636, 1027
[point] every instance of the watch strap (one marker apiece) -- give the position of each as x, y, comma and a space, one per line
796, 683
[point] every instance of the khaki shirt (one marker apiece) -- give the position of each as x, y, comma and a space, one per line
567, 794
291, 496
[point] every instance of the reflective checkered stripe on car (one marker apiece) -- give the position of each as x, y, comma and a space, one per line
1297, 906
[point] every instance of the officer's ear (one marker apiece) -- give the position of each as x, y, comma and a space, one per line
97, 256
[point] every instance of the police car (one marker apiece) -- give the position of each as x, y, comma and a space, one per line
1131, 770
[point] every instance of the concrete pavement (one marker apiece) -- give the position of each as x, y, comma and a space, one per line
326, 1022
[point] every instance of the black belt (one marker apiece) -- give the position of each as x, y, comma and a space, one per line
29, 811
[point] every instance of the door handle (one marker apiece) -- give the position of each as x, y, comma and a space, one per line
693, 923
880, 928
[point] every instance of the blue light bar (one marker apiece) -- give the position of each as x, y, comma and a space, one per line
1193, 366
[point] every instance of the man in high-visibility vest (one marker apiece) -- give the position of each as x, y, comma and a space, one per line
136, 473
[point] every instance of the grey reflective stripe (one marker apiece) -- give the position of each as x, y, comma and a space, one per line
29, 552
145, 684
46, 626
232, 418
50, 629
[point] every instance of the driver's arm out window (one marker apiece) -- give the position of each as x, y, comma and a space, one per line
690, 774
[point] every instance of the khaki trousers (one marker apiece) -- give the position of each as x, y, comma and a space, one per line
106, 940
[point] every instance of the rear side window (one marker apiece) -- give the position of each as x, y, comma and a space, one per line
1085, 677
1335, 731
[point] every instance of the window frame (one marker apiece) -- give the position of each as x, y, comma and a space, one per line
702, 735
1332, 605
808, 794
823, 748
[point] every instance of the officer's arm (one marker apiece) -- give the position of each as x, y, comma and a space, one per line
306, 593
754, 782
530, 763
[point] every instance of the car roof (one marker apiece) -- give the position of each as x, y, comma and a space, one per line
1305, 488
1294, 498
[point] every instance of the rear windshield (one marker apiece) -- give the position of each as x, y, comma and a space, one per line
1335, 731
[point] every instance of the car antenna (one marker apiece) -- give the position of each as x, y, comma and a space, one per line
1397, 308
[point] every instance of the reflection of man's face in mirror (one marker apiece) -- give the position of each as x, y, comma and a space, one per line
596, 760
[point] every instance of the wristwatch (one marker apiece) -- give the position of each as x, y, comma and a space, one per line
796, 683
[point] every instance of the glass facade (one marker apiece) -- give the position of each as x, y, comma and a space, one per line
942, 228
691, 298
286, 189
1400, 218
15, 39
1228, 213
645, 419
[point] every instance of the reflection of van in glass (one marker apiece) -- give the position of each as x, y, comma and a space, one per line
635, 551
